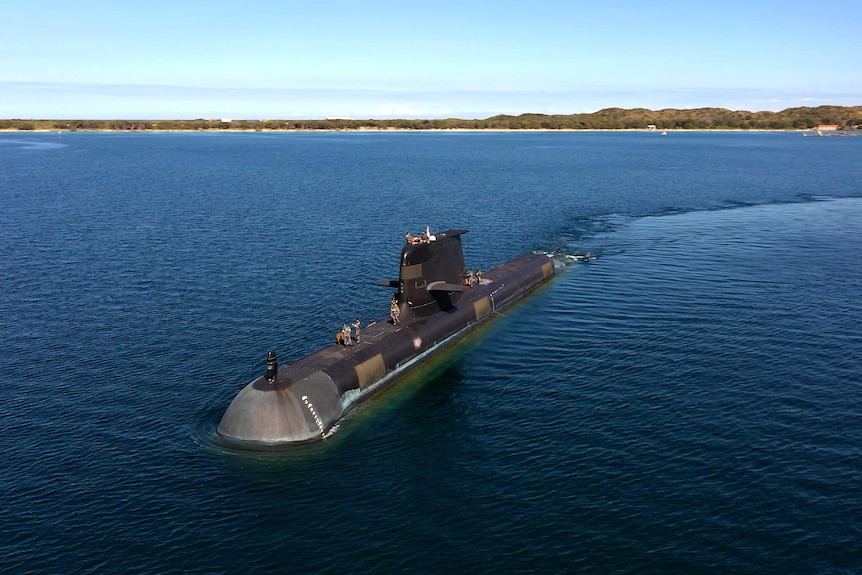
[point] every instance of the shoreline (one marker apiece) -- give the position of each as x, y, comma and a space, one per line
377, 130
605, 120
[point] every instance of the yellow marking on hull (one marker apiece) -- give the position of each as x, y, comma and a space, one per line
370, 370
482, 307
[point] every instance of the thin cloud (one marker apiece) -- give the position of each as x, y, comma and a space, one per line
121, 101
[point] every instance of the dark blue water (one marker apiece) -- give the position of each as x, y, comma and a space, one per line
690, 401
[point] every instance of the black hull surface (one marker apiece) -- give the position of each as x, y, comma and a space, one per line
305, 399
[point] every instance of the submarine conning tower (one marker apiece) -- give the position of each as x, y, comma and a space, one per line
431, 276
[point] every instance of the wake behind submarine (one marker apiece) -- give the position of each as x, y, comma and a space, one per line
434, 305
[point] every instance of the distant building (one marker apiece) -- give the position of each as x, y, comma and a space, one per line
650, 127
826, 127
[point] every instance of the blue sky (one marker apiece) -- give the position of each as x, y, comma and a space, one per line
401, 59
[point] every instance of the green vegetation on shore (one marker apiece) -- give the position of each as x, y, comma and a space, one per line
847, 118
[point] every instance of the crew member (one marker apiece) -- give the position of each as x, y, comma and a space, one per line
394, 312
345, 335
478, 276
356, 330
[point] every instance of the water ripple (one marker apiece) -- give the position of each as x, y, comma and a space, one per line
686, 401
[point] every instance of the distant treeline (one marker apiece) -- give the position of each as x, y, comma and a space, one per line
847, 118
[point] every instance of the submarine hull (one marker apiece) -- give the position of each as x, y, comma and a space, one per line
306, 398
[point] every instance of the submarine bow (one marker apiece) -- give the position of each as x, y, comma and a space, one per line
282, 411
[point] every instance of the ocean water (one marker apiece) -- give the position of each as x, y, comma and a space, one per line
689, 401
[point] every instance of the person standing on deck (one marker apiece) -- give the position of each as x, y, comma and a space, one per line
394, 312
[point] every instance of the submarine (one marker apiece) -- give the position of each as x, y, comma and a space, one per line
434, 304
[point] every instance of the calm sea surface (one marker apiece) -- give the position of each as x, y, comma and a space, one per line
688, 402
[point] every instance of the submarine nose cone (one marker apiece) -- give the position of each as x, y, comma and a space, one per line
270, 414
265, 414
